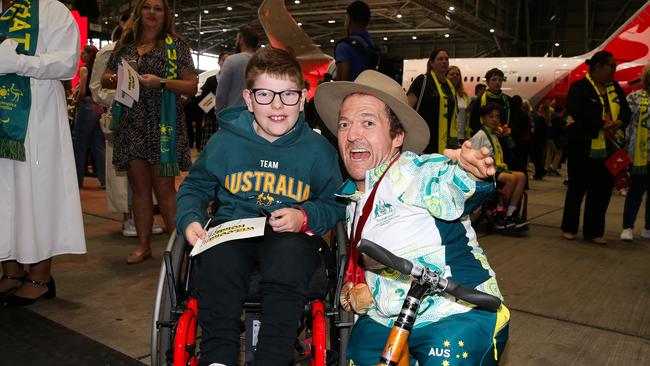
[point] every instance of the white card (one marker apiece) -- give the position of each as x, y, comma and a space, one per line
130, 84
231, 230
120, 95
208, 103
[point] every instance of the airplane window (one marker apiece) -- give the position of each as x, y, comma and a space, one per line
471, 79
478, 78
465, 78
519, 79
534, 79
526, 78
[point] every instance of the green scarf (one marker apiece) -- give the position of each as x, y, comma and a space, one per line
598, 145
447, 133
502, 96
168, 160
20, 23
498, 151
640, 159
168, 166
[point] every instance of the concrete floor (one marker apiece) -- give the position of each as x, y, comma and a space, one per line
572, 303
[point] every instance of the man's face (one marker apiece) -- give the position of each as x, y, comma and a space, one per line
495, 82
364, 136
275, 119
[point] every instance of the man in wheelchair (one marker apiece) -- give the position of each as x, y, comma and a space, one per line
264, 156
512, 182
417, 207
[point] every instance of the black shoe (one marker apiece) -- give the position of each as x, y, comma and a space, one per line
13, 301
8, 277
518, 222
502, 223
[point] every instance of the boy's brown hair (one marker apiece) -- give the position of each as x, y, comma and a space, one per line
275, 62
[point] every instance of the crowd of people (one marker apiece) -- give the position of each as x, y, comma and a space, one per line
478, 142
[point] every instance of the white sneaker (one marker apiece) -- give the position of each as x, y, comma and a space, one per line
628, 235
156, 229
645, 234
128, 228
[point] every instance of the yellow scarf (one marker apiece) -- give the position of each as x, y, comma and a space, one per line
504, 98
640, 159
598, 146
498, 151
444, 127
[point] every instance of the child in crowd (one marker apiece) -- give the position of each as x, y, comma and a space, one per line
513, 182
264, 156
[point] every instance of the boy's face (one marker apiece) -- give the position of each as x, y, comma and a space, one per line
275, 119
491, 120
495, 83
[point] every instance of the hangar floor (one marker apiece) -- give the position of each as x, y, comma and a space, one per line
572, 302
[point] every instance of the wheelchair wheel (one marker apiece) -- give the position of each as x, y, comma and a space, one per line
164, 317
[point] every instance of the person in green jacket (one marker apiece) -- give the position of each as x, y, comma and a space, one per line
264, 156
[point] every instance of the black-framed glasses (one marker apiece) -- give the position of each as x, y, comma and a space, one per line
287, 97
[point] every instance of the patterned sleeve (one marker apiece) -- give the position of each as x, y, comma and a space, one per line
435, 183
185, 61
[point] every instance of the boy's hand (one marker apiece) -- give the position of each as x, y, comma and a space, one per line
194, 232
476, 162
286, 220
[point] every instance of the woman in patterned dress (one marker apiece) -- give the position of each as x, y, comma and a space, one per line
137, 144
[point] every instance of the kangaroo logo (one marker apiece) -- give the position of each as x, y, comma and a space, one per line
265, 199
382, 208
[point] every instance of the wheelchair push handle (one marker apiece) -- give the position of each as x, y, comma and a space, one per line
453, 288
387, 258
472, 296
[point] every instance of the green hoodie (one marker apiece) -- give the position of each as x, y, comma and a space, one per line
247, 172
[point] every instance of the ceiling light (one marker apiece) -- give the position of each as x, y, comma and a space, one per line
106, 22
415, 37
448, 18
331, 21
176, 15
557, 45
491, 30
446, 35
451, 8
263, 46
299, 24
229, 8
297, 2
225, 30
331, 41
202, 32
399, 16
385, 38
205, 11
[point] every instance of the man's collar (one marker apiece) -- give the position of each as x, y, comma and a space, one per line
349, 188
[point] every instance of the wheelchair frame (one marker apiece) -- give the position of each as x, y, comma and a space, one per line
174, 325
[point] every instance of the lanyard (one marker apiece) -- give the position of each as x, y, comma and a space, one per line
353, 271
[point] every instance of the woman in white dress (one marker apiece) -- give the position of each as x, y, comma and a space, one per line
40, 209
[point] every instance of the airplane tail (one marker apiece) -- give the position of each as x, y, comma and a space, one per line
630, 43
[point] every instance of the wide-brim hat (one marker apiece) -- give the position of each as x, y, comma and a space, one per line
330, 96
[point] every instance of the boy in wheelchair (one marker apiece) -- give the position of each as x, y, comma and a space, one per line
511, 183
264, 156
